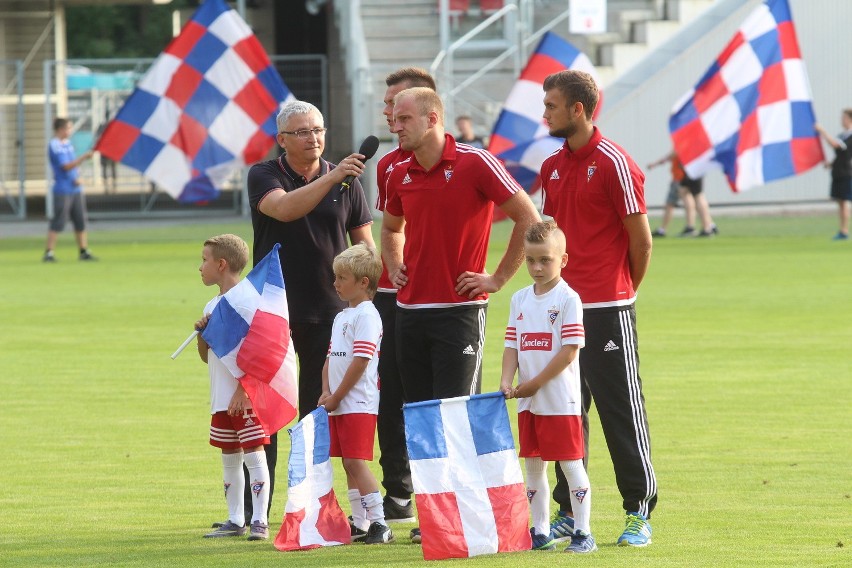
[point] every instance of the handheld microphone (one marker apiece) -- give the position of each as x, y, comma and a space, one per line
368, 149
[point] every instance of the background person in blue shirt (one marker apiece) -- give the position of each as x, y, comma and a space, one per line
68, 197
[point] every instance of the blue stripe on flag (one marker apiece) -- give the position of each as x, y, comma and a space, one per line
767, 47
206, 52
143, 151
516, 127
322, 436
777, 161
424, 430
211, 154
206, 103
268, 270
138, 108
270, 79
557, 48
780, 10
297, 470
803, 119
209, 11
225, 329
489, 423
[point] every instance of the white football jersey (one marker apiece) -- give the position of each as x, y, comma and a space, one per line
538, 328
222, 382
357, 332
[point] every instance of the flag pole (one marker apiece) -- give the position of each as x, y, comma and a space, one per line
184, 344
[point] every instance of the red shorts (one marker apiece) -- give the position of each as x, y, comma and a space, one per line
233, 432
552, 438
352, 436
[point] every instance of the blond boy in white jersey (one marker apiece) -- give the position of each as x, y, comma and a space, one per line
350, 388
233, 425
543, 339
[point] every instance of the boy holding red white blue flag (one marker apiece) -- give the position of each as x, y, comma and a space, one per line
234, 427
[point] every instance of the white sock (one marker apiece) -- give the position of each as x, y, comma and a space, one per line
232, 474
259, 475
538, 493
375, 507
581, 494
359, 514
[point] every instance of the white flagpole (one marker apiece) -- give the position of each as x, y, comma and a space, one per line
184, 344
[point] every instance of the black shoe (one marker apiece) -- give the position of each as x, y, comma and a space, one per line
378, 534
356, 533
86, 255
48, 257
395, 513
415, 536
687, 232
713, 231
658, 233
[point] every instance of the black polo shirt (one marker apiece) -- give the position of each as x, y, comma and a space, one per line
309, 244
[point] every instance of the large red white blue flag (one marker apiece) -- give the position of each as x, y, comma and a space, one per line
751, 113
520, 138
249, 331
206, 107
467, 480
312, 517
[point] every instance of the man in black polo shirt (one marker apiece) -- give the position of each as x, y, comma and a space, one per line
296, 200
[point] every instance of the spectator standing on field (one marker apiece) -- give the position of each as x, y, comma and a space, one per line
841, 171
296, 200
396, 473
234, 427
691, 192
68, 199
594, 192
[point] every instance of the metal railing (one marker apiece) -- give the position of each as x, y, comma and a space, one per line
12, 162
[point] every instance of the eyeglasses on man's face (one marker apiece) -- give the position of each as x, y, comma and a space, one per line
306, 133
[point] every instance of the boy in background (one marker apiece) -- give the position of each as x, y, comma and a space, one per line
233, 426
350, 388
543, 338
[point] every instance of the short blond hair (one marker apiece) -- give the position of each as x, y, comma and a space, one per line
425, 99
230, 248
362, 261
542, 231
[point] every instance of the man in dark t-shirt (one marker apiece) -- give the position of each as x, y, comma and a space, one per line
297, 200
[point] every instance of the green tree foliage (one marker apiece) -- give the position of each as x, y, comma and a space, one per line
99, 32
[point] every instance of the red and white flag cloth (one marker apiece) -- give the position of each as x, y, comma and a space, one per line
249, 331
312, 517
751, 114
468, 485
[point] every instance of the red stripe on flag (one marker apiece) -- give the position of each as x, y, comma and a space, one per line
252, 53
511, 513
498, 143
772, 85
807, 153
441, 526
189, 36
691, 141
265, 346
787, 39
190, 135
117, 139
184, 83
539, 67
332, 523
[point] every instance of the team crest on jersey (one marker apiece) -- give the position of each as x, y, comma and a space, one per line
520, 316
591, 171
448, 173
227, 485
580, 493
257, 487
551, 315
345, 329
406, 179
530, 494
554, 175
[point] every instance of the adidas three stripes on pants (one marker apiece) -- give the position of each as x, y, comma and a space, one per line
609, 367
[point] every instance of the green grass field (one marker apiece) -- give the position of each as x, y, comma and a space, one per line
745, 345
